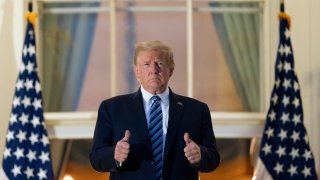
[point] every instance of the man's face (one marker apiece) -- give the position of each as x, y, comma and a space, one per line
152, 71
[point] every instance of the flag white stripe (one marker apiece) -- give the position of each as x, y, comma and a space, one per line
261, 172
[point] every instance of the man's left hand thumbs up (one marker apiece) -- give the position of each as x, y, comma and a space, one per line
192, 150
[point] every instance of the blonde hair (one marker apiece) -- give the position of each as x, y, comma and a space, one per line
155, 45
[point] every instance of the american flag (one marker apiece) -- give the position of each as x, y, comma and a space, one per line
27, 151
285, 152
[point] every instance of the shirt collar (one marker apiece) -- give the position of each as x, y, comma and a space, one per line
147, 96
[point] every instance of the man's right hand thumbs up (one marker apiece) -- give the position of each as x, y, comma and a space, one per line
122, 148
127, 136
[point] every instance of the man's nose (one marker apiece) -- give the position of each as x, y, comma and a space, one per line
155, 67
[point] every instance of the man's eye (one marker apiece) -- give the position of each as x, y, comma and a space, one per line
146, 64
160, 64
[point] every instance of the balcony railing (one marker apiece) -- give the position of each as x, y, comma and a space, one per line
80, 125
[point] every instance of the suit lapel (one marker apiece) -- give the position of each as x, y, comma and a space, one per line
140, 122
175, 112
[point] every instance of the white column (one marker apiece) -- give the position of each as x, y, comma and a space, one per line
113, 50
189, 48
11, 39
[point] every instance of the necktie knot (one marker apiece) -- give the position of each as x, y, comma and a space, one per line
155, 98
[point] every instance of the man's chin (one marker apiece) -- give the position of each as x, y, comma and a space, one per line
156, 89
155, 84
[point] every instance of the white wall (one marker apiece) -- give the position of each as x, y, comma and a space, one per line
315, 79
11, 39
306, 43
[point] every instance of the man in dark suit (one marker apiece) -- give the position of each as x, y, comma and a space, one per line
154, 133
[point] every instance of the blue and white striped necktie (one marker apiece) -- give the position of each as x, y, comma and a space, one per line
156, 135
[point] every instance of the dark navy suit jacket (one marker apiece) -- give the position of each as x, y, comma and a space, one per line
126, 112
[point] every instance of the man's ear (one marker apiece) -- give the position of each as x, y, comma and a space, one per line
171, 71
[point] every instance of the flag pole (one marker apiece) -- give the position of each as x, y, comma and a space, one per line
30, 9
281, 5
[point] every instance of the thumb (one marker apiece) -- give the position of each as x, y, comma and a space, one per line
186, 138
127, 136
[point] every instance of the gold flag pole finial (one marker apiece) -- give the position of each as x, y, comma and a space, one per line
283, 15
30, 15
